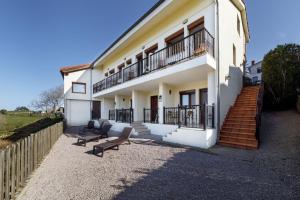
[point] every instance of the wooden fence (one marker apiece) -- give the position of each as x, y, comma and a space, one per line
20, 159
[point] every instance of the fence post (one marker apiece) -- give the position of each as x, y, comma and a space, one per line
164, 115
205, 116
144, 115
18, 166
7, 173
1, 175
178, 116
13, 170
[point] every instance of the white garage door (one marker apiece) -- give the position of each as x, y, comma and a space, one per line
78, 112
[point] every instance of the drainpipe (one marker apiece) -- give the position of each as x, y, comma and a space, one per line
218, 70
91, 92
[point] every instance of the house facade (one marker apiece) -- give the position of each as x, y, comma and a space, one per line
176, 71
254, 71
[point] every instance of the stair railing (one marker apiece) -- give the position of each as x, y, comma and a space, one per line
259, 106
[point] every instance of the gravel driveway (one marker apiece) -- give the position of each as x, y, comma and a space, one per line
152, 171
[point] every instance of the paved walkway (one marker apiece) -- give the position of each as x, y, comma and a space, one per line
152, 171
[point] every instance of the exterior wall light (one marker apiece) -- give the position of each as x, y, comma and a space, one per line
227, 78
170, 92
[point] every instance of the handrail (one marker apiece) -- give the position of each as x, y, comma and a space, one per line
190, 46
259, 105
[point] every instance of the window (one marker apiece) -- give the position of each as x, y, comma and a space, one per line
234, 55
187, 98
128, 62
196, 26
258, 70
151, 50
175, 43
112, 71
78, 88
255, 79
238, 25
121, 66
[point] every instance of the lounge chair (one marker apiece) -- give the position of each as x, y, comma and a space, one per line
92, 136
112, 144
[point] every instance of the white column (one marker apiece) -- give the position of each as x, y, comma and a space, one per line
138, 105
164, 100
106, 105
211, 88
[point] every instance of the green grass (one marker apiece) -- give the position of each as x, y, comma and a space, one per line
14, 120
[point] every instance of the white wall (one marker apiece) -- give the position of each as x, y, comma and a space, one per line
138, 104
77, 106
77, 112
106, 105
82, 76
191, 11
229, 36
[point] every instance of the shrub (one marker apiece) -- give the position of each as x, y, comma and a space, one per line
281, 74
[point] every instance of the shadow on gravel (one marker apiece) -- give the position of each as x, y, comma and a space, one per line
272, 172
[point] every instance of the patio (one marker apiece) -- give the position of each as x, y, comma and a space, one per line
147, 170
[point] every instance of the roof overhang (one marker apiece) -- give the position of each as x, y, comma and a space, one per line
147, 17
69, 69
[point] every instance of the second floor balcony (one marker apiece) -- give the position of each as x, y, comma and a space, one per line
194, 45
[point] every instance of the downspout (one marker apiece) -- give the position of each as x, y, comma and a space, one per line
218, 71
91, 92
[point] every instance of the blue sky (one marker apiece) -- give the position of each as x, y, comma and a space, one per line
38, 37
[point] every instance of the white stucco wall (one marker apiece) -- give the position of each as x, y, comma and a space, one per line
229, 89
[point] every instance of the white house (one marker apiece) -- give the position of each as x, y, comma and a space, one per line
175, 72
254, 71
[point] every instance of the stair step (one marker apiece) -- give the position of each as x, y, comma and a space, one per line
237, 139
238, 145
240, 125
236, 120
238, 134
237, 129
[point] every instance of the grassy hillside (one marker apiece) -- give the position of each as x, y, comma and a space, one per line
13, 120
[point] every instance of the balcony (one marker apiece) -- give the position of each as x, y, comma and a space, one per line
194, 45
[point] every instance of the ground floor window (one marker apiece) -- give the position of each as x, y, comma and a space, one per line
187, 98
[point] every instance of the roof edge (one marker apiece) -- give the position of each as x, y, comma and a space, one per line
128, 30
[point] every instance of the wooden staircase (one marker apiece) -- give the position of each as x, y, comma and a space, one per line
239, 127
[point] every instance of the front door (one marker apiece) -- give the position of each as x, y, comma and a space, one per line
96, 111
154, 106
203, 101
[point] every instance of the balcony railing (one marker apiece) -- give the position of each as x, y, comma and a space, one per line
112, 114
194, 116
150, 115
124, 115
191, 46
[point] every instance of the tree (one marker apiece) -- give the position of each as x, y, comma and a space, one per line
22, 109
281, 74
49, 100
3, 111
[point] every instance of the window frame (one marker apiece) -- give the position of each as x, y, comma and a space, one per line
238, 25
189, 93
234, 55
78, 83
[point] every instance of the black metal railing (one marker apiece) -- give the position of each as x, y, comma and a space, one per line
124, 115
194, 116
151, 115
112, 114
259, 106
196, 44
